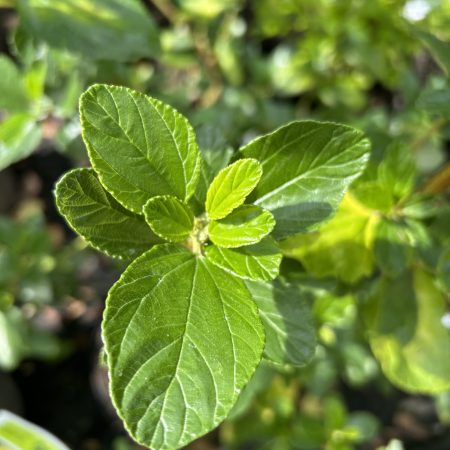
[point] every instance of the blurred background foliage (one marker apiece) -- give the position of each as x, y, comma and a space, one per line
376, 277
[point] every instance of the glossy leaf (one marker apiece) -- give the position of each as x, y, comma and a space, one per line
287, 320
342, 248
96, 216
183, 338
307, 167
24, 435
169, 218
407, 334
19, 136
139, 146
260, 261
246, 225
231, 186
123, 29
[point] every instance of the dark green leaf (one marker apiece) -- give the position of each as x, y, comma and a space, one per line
123, 28
287, 320
182, 338
139, 146
260, 261
307, 167
94, 214
246, 225
169, 218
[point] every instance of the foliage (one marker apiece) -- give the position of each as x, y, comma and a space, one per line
339, 259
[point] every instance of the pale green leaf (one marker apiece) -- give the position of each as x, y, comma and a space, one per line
231, 186
94, 214
342, 248
246, 225
182, 337
287, 320
260, 261
169, 218
19, 136
13, 96
407, 335
139, 146
307, 168
24, 435
123, 29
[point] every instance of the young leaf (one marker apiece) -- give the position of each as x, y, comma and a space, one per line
94, 214
231, 186
307, 168
17, 433
19, 136
177, 367
169, 218
246, 225
139, 146
406, 332
260, 261
287, 320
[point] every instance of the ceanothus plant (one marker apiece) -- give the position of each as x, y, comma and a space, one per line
200, 305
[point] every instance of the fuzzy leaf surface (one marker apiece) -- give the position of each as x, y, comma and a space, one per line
96, 216
183, 337
287, 320
307, 168
260, 261
169, 217
139, 146
231, 186
246, 225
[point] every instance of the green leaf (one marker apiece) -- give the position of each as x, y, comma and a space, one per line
169, 218
374, 195
123, 29
342, 248
392, 247
260, 261
287, 320
94, 214
246, 225
435, 102
139, 146
406, 333
440, 50
19, 136
397, 170
231, 186
182, 338
24, 435
307, 167
13, 96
